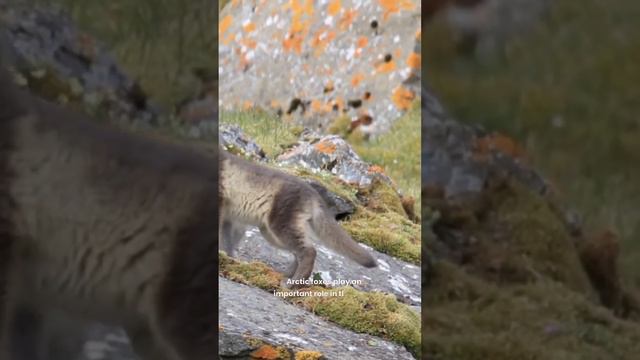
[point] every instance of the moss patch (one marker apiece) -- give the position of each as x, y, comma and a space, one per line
521, 294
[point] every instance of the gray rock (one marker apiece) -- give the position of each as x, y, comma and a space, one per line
44, 45
314, 64
451, 161
232, 136
331, 153
247, 311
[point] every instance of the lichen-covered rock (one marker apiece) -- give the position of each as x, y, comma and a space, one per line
332, 153
60, 62
314, 61
232, 138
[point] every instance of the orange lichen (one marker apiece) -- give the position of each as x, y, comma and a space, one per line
375, 169
316, 105
266, 352
249, 27
347, 19
321, 39
402, 97
293, 42
386, 67
225, 23
394, 6
250, 43
498, 142
362, 42
334, 7
325, 147
356, 79
414, 61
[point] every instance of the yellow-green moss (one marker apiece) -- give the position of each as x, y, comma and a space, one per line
253, 273
522, 294
389, 233
372, 313
536, 242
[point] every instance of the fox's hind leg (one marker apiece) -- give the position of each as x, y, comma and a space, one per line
292, 236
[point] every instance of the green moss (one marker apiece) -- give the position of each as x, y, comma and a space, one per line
389, 233
372, 313
521, 294
253, 273
536, 243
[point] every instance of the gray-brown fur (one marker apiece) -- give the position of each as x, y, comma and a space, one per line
101, 224
288, 212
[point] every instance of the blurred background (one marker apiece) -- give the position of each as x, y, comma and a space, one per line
561, 78
161, 43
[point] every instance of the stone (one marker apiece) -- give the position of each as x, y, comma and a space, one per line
312, 62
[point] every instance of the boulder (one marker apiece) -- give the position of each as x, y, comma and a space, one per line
316, 62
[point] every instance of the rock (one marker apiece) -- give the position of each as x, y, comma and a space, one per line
459, 160
316, 62
247, 312
333, 154
62, 63
232, 138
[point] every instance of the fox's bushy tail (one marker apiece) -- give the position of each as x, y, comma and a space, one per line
332, 234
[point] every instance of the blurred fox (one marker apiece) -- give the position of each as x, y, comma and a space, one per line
102, 225
288, 212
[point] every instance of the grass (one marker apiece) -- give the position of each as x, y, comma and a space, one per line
568, 92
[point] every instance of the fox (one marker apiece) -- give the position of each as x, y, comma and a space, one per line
289, 213
103, 225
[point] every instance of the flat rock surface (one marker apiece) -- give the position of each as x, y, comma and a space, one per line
248, 311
